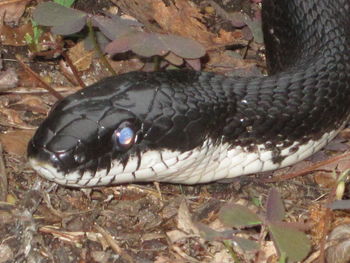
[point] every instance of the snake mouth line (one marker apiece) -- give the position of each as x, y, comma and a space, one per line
201, 165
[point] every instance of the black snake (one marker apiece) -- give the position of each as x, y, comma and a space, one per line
194, 127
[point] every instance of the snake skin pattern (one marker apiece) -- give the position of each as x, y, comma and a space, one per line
195, 127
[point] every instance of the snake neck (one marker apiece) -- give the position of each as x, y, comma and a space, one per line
308, 90
297, 30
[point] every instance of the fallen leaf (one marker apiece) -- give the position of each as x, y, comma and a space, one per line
8, 79
268, 251
184, 220
14, 36
339, 250
12, 10
274, 206
32, 104
179, 17
176, 235
80, 58
324, 179
124, 66
151, 44
15, 142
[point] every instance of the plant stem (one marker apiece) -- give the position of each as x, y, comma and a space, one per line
228, 246
97, 48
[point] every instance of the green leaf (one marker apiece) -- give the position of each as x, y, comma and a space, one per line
274, 206
290, 241
246, 244
66, 3
210, 234
238, 216
63, 20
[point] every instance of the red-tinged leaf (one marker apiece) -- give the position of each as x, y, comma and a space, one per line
71, 27
183, 47
101, 39
237, 19
63, 20
112, 28
337, 145
141, 43
274, 206
119, 45
238, 216
151, 44
194, 63
340, 204
290, 241
255, 27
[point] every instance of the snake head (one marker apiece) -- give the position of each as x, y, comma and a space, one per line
121, 129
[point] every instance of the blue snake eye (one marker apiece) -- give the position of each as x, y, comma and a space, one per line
124, 136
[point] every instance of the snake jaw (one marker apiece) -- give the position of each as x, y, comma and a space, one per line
208, 162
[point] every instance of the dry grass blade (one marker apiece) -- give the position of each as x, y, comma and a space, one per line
310, 169
3, 177
38, 78
116, 248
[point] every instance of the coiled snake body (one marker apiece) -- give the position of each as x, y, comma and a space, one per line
195, 127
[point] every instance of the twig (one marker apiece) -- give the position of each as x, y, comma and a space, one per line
327, 223
116, 248
309, 169
3, 178
74, 70
38, 78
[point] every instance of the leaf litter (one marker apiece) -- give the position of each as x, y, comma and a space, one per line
132, 221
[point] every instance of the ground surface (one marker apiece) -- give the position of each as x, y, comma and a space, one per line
43, 222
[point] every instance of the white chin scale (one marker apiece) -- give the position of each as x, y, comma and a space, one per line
200, 165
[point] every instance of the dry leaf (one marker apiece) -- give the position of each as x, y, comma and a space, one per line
80, 58
224, 62
324, 179
8, 79
15, 142
184, 220
124, 66
14, 36
268, 252
179, 17
222, 257
339, 250
32, 104
176, 235
12, 10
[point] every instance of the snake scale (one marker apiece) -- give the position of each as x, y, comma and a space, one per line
196, 127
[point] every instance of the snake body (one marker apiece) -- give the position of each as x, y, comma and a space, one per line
196, 127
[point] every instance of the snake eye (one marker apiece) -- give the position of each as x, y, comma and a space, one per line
124, 136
